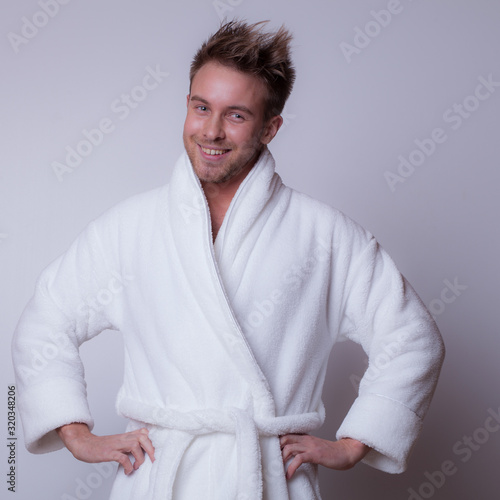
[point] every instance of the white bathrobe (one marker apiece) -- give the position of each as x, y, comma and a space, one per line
226, 344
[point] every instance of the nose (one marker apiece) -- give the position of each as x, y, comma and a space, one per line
214, 129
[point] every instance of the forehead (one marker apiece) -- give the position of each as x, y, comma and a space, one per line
223, 86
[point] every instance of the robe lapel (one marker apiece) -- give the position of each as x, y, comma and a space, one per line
188, 215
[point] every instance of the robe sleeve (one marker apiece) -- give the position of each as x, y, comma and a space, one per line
383, 313
65, 311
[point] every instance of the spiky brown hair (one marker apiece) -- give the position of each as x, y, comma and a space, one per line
248, 49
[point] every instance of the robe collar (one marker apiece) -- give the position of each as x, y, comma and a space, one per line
248, 203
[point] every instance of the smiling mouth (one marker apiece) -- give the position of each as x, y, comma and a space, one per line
214, 152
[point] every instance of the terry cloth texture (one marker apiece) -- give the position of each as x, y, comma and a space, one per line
226, 344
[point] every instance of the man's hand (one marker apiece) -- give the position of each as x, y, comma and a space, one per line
90, 448
339, 455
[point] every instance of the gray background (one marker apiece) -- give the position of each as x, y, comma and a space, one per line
347, 122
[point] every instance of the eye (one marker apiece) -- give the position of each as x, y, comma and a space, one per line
201, 107
237, 117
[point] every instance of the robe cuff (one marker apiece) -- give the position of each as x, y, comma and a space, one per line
387, 426
47, 406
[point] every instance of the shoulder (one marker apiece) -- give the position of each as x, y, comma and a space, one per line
137, 208
131, 221
326, 218
136, 205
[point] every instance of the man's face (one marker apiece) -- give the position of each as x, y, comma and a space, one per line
224, 131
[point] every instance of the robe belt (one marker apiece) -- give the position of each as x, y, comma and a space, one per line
246, 428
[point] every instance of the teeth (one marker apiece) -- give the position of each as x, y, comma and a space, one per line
214, 151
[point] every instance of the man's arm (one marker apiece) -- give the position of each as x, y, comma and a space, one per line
63, 313
339, 455
383, 313
90, 448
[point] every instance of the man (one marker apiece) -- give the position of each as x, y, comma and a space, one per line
238, 289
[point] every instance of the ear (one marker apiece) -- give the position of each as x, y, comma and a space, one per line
271, 129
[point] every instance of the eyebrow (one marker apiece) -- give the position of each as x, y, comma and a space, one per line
234, 107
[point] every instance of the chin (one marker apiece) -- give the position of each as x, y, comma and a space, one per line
213, 177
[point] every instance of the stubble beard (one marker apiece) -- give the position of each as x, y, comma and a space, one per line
224, 172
